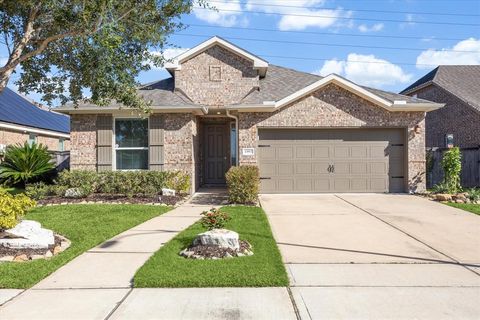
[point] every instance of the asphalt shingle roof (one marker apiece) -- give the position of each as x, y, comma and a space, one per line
17, 110
462, 81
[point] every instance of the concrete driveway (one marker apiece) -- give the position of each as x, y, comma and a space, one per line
376, 256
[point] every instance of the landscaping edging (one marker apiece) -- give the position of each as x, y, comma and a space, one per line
23, 255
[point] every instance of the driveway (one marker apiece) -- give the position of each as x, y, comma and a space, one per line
376, 256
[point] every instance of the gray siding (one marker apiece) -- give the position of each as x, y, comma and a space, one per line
104, 142
156, 141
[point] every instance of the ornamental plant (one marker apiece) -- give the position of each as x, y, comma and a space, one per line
452, 167
12, 208
24, 163
214, 219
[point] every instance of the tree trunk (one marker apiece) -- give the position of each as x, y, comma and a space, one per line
4, 77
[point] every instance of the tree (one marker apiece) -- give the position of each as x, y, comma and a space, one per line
66, 46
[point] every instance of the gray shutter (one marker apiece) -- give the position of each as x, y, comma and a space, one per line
156, 142
104, 142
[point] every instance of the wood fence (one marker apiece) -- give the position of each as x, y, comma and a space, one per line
470, 166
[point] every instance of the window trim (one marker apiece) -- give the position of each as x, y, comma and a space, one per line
114, 149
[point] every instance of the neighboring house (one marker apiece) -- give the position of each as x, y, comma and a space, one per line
21, 120
224, 106
458, 87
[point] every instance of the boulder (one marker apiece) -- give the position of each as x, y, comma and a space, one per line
168, 192
218, 237
74, 193
27, 234
443, 197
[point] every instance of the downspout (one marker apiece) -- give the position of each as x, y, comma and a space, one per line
237, 135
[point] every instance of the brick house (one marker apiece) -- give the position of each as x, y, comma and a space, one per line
21, 120
224, 106
458, 87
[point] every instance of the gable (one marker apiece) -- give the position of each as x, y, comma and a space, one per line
216, 77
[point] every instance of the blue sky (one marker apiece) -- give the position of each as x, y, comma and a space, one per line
310, 35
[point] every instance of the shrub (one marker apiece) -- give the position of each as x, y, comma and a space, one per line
474, 194
23, 163
12, 208
243, 184
214, 219
452, 167
85, 180
38, 191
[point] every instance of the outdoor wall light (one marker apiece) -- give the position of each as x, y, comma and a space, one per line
417, 129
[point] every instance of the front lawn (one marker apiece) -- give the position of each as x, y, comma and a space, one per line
475, 208
265, 268
85, 225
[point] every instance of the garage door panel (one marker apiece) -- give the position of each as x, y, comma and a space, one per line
364, 160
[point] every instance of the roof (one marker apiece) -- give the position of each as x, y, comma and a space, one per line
462, 81
281, 82
17, 110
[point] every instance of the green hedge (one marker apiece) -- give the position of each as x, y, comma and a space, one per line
129, 183
243, 184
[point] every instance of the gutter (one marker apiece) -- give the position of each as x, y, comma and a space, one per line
25, 129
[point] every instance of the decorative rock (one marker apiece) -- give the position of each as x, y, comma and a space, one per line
28, 234
6, 258
459, 201
37, 256
22, 257
57, 250
228, 255
443, 197
48, 254
219, 237
168, 192
74, 193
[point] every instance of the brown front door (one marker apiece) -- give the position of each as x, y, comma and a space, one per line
216, 144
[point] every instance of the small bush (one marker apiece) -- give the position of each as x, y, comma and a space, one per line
452, 167
243, 184
474, 194
38, 191
83, 179
214, 219
12, 208
24, 163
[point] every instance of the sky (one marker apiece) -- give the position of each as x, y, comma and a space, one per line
385, 44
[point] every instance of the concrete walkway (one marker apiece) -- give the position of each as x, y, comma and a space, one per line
98, 283
377, 256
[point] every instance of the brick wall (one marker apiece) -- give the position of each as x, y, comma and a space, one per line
456, 117
83, 139
236, 79
330, 107
8, 137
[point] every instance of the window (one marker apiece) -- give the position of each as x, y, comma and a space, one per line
131, 144
32, 138
215, 73
61, 144
233, 144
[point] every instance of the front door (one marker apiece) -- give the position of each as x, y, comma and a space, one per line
216, 142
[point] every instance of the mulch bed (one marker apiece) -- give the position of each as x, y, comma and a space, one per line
4, 251
108, 198
216, 252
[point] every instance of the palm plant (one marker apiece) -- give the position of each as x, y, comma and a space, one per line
25, 162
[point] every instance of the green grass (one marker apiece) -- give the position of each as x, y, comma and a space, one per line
265, 268
475, 208
85, 225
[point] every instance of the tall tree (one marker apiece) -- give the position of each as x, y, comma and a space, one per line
67, 46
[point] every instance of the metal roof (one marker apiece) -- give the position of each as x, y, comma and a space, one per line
17, 110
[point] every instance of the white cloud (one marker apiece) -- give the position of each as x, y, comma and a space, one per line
432, 57
222, 18
298, 16
374, 28
366, 70
168, 54
409, 18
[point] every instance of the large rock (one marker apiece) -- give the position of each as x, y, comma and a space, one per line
27, 234
443, 197
218, 237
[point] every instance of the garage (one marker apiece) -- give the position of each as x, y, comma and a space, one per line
332, 160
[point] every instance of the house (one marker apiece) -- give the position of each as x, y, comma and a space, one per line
458, 87
224, 106
21, 120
